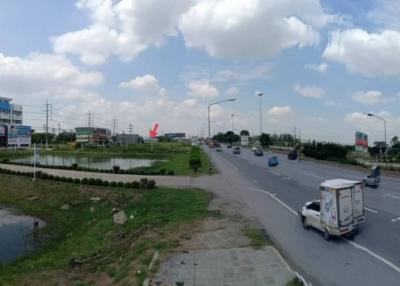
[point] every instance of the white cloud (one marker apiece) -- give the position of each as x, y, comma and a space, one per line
386, 14
280, 111
370, 97
43, 74
319, 68
232, 92
202, 89
309, 91
122, 28
252, 28
315, 119
368, 54
146, 83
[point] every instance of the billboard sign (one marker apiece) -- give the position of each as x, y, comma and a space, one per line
19, 136
244, 140
361, 142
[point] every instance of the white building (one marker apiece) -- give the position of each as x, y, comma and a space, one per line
10, 114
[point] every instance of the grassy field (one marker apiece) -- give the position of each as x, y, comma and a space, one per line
110, 253
171, 156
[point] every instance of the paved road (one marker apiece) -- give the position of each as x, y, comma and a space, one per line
274, 195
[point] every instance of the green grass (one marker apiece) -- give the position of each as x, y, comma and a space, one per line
115, 251
257, 238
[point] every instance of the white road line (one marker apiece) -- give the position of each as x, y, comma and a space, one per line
387, 262
371, 210
391, 196
276, 199
312, 175
358, 246
275, 173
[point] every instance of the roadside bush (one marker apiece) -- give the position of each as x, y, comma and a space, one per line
151, 184
163, 171
120, 184
194, 158
143, 183
128, 185
113, 184
98, 182
135, 185
116, 169
85, 181
171, 173
77, 181
106, 183
92, 181
325, 151
74, 166
70, 180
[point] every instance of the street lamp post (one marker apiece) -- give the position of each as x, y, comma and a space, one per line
384, 125
233, 118
260, 95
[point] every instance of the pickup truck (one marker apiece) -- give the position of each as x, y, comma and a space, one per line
340, 211
373, 179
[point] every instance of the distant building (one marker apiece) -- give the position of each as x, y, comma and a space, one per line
175, 136
127, 138
10, 114
12, 132
93, 135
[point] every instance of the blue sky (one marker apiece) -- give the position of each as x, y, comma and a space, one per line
320, 64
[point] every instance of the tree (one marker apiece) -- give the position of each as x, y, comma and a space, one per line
265, 140
395, 141
244, 133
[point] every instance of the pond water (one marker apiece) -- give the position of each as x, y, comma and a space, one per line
18, 235
88, 162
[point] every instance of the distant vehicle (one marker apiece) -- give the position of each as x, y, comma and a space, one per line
292, 155
236, 150
218, 149
373, 179
340, 211
273, 161
254, 149
229, 146
258, 152
217, 145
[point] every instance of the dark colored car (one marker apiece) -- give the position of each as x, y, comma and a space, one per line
236, 150
258, 152
292, 155
229, 146
273, 161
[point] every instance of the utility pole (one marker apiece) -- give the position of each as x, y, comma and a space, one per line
233, 119
49, 113
260, 95
59, 129
130, 128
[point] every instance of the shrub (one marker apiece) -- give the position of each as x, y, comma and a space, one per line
120, 184
70, 180
128, 185
106, 183
57, 178
151, 184
74, 166
171, 173
135, 185
113, 184
92, 181
143, 183
116, 169
163, 171
85, 181
77, 181
98, 182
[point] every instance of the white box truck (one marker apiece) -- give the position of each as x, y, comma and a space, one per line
340, 210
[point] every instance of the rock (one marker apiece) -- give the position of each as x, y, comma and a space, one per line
92, 209
65, 207
95, 199
120, 217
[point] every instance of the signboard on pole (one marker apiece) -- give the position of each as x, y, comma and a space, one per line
244, 140
19, 136
361, 142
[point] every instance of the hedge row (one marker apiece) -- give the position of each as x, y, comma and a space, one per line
143, 183
115, 169
194, 158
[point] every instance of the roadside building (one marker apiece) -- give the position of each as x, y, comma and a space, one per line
93, 135
12, 132
127, 138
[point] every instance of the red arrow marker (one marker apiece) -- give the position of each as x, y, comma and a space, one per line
153, 132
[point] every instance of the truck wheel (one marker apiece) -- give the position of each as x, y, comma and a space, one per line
304, 222
327, 236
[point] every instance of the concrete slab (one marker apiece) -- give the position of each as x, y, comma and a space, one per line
224, 267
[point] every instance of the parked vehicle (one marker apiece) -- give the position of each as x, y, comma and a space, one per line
340, 211
273, 161
373, 179
236, 150
218, 149
292, 155
229, 146
258, 152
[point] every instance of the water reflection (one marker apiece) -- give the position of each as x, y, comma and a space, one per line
19, 234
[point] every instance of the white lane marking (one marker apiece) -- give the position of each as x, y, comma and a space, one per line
396, 219
233, 166
312, 175
371, 210
276, 199
275, 173
356, 245
391, 196
363, 248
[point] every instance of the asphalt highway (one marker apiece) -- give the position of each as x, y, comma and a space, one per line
275, 193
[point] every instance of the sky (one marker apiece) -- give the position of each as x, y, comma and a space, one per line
320, 64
